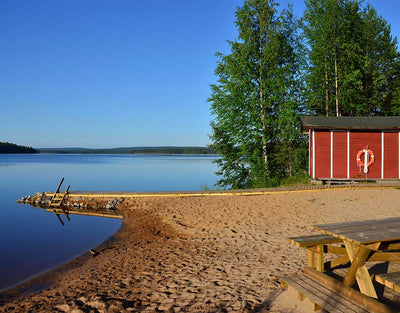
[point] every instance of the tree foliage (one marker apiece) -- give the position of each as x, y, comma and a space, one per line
344, 62
353, 60
6, 147
255, 104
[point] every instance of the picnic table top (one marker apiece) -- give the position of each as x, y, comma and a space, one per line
364, 232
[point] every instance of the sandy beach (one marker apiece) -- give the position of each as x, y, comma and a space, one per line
198, 254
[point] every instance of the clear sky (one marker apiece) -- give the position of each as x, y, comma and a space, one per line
115, 73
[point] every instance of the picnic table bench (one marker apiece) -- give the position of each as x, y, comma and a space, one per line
391, 280
328, 293
356, 243
316, 246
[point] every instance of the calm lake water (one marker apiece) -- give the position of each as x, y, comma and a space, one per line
33, 240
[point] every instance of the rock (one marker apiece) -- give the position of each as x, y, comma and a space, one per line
112, 204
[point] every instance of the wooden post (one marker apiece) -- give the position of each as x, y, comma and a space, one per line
59, 185
358, 270
320, 258
311, 258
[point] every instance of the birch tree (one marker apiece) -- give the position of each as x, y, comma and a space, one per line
245, 102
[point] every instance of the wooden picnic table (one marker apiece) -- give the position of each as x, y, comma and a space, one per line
368, 240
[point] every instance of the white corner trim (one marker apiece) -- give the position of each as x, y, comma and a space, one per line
313, 154
348, 155
382, 154
331, 154
309, 152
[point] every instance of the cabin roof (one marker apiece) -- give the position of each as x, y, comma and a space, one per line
350, 123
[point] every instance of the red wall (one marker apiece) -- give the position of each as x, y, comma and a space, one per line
358, 141
340, 154
391, 155
322, 154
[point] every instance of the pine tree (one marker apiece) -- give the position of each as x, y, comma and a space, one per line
318, 28
381, 66
353, 60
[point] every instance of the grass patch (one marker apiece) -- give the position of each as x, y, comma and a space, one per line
295, 180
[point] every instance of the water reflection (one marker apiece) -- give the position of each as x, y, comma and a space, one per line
88, 212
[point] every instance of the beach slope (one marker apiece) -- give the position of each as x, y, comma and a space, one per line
198, 254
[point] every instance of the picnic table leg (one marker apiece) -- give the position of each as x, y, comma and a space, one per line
358, 270
320, 258
311, 258
316, 258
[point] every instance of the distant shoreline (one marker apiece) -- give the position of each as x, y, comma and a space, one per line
133, 150
8, 148
168, 150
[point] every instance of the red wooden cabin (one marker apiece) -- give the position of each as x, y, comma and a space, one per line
353, 147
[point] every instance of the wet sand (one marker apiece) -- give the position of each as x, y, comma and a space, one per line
198, 254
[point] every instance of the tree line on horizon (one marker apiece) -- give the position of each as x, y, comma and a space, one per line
338, 59
133, 150
6, 147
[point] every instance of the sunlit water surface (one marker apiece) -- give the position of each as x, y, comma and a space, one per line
33, 240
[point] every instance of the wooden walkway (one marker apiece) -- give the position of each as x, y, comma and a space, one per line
242, 192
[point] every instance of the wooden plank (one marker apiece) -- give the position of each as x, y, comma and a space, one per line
332, 305
371, 237
312, 240
359, 225
394, 267
385, 257
393, 245
358, 270
381, 236
370, 304
390, 280
322, 295
363, 223
335, 250
336, 262
343, 303
331, 249
364, 231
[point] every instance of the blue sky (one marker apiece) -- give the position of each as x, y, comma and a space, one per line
96, 73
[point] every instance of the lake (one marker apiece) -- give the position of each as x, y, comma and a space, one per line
33, 240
